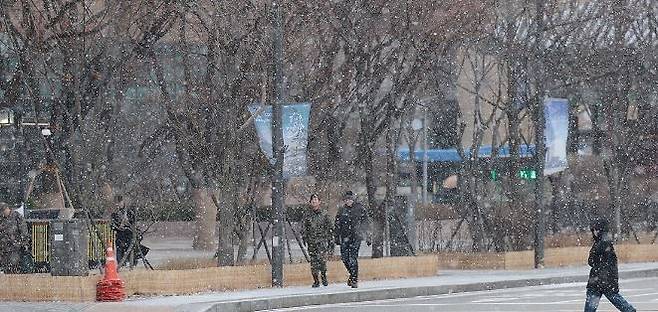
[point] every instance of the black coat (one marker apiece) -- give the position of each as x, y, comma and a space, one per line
604, 275
351, 223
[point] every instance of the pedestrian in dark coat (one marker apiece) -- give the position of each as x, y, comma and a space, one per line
123, 224
604, 275
14, 239
318, 236
351, 228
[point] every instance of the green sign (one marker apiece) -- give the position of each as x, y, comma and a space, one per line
526, 174
493, 175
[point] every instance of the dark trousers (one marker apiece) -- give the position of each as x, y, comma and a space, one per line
593, 297
123, 238
349, 253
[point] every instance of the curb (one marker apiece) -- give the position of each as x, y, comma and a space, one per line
390, 293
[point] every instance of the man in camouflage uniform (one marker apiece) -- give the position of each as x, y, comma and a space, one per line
14, 239
318, 235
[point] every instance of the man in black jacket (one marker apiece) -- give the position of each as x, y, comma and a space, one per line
350, 229
604, 275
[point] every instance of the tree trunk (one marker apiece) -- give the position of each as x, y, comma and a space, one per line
376, 211
414, 169
392, 141
227, 201
206, 216
514, 138
476, 220
513, 123
244, 236
573, 138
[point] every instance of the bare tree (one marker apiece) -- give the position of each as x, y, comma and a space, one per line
69, 56
380, 75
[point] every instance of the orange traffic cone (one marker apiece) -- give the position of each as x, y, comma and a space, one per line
110, 265
111, 287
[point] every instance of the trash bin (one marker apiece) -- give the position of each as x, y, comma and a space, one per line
69, 241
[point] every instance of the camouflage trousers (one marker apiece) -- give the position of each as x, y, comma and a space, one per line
318, 259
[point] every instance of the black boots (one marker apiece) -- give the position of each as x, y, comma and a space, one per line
352, 282
316, 280
355, 283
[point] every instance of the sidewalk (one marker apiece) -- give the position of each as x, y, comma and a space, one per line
254, 300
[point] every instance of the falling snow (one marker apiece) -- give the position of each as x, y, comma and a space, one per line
460, 125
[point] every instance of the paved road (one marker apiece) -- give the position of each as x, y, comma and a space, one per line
642, 293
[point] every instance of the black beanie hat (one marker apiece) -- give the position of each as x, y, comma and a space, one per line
600, 225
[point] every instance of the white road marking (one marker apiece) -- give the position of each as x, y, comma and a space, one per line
640, 295
494, 300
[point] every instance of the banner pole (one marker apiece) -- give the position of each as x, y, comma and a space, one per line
277, 150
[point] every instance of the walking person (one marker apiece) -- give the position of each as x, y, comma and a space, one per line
351, 228
124, 224
604, 275
14, 239
318, 236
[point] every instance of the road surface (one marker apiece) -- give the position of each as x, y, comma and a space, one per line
642, 293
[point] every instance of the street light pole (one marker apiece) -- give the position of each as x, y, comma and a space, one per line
277, 149
540, 155
412, 214
540, 145
425, 158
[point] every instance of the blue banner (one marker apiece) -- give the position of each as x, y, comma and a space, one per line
556, 133
295, 135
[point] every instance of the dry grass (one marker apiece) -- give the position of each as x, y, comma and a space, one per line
585, 239
198, 263
187, 264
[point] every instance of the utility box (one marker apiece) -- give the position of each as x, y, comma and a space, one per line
69, 241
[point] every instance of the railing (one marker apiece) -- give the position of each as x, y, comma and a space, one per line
40, 242
95, 252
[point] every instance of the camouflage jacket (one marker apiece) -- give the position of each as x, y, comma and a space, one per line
318, 228
13, 232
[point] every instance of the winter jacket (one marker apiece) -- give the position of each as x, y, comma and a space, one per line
318, 230
604, 275
351, 224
